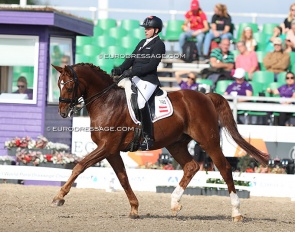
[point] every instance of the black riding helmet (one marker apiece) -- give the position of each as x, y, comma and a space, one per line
153, 22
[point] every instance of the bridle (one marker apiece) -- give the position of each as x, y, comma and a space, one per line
75, 100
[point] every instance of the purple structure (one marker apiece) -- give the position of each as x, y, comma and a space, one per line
33, 119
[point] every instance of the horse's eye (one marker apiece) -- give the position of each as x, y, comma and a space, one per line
70, 90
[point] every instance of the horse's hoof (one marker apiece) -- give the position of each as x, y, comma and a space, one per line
58, 202
176, 209
238, 218
134, 216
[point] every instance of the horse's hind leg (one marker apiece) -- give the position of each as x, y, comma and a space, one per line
180, 153
214, 151
117, 164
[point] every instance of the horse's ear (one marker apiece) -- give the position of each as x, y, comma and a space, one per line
57, 68
67, 70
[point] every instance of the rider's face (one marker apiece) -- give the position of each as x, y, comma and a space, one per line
149, 32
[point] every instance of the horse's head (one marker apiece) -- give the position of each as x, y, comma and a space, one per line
68, 84
93, 83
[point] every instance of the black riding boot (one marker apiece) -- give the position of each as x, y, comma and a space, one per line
147, 128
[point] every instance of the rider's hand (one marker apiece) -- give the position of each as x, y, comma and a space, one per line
116, 71
127, 73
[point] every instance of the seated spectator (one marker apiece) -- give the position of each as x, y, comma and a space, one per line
285, 91
278, 60
220, 27
221, 62
290, 38
240, 87
22, 86
286, 25
247, 37
198, 26
191, 80
246, 59
277, 32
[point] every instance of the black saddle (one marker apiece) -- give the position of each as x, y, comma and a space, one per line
151, 101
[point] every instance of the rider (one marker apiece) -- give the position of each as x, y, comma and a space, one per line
144, 62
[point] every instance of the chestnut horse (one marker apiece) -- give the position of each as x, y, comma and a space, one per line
196, 116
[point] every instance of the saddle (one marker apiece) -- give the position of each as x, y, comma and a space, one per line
159, 103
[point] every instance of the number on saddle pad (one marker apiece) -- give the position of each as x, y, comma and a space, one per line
190, 51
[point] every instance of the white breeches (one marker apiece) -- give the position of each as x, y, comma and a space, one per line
145, 91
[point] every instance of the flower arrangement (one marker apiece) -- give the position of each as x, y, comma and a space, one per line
40, 143
36, 157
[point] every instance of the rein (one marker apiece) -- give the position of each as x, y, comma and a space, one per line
74, 101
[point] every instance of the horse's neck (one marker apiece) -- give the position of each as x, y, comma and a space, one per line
112, 101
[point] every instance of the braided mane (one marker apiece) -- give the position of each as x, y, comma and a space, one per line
103, 73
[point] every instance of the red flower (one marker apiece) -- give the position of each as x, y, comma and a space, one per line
48, 157
28, 158
17, 142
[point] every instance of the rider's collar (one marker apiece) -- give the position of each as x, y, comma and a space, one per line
149, 40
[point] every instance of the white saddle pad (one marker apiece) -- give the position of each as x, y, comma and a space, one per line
163, 106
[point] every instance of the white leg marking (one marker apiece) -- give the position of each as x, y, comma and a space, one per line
175, 196
235, 202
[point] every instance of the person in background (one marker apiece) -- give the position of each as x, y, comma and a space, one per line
195, 25
246, 59
240, 87
247, 37
277, 32
65, 60
22, 86
220, 27
278, 60
222, 58
290, 38
191, 80
286, 25
285, 91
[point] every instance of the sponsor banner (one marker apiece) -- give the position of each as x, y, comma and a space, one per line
267, 185
275, 140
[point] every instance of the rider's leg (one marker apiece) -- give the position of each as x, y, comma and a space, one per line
145, 91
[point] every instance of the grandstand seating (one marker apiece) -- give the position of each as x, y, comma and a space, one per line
267, 28
129, 24
91, 50
173, 30
263, 77
222, 85
81, 58
104, 41
116, 32
106, 24
257, 88
282, 77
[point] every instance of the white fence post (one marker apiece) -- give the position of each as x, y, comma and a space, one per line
103, 6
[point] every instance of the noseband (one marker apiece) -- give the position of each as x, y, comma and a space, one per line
74, 101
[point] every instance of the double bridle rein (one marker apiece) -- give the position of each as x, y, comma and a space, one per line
74, 101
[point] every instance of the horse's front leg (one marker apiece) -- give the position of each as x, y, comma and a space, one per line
92, 158
117, 164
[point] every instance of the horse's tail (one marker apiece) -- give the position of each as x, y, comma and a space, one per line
227, 121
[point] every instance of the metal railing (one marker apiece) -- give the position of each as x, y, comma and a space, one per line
94, 12
260, 104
